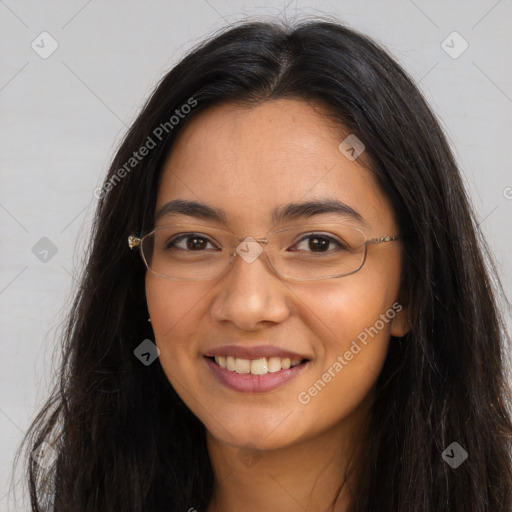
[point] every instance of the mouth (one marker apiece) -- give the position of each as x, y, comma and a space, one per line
260, 375
260, 366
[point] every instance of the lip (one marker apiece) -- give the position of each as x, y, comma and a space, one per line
248, 383
253, 352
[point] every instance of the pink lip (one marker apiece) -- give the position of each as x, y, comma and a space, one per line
253, 352
248, 383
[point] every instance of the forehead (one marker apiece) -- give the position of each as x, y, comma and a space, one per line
248, 160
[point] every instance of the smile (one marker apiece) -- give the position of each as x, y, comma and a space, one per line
259, 366
254, 375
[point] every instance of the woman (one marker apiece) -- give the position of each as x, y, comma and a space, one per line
323, 331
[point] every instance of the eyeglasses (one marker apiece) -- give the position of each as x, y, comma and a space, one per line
189, 252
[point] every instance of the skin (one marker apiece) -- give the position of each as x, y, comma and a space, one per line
247, 161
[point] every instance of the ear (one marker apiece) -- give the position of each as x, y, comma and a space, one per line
400, 324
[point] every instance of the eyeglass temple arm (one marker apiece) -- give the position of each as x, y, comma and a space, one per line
383, 239
133, 241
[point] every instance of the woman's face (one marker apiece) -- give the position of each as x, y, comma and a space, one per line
246, 162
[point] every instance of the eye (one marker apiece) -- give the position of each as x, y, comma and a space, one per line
320, 243
190, 242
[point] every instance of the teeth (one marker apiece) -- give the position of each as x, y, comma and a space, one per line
274, 364
242, 366
259, 366
256, 366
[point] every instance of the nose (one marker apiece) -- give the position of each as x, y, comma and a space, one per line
250, 293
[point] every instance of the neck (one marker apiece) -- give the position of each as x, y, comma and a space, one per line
314, 474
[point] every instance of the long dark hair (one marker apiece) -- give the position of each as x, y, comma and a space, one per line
123, 438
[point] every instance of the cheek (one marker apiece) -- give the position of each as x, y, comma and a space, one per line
353, 318
348, 309
355, 341
175, 312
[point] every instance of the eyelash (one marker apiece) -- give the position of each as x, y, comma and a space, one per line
173, 242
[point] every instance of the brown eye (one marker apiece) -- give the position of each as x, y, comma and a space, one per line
190, 242
318, 243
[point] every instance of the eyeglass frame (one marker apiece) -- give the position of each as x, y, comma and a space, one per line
134, 241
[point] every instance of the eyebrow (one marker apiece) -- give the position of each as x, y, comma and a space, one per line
291, 211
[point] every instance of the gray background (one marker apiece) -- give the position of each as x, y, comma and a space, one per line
62, 118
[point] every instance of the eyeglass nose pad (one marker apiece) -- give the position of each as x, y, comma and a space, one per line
249, 250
